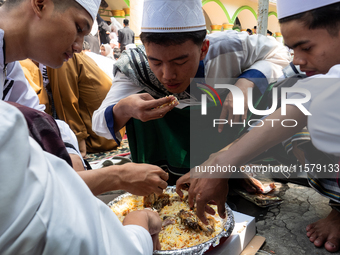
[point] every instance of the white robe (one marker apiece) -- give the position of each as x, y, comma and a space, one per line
46, 208
106, 64
324, 105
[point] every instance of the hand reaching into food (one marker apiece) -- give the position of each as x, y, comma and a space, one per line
142, 179
183, 183
205, 191
155, 226
149, 220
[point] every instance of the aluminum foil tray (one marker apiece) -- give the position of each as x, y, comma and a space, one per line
199, 249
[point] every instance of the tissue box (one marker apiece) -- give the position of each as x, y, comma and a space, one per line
242, 234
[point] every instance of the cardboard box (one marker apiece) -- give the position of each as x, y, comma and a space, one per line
243, 233
254, 246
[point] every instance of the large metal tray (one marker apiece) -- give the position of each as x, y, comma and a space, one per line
229, 224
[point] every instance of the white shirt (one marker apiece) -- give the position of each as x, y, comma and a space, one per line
20, 90
324, 123
230, 54
46, 208
14, 83
105, 63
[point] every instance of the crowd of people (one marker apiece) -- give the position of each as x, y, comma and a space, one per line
63, 97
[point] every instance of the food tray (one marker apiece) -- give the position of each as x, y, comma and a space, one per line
199, 249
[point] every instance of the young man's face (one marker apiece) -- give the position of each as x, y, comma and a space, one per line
60, 34
314, 50
174, 65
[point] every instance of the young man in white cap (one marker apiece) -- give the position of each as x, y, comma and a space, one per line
312, 30
175, 50
46, 207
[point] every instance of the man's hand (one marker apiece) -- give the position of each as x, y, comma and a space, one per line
228, 105
208, 191
142, 179
204, 191
155, 226
144, 107
183, 183
149, 220
141, 106
138, 179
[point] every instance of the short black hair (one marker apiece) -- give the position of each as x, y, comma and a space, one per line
117, 55
326, 17
86, 46
167, 39
117, 50
126, 22
249, 31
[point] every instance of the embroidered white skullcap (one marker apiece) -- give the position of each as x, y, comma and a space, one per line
172, 16
91, 6
286, 8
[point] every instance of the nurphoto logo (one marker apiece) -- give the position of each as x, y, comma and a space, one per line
238, 104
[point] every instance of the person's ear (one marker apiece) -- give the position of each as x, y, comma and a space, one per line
38, 6
204, 49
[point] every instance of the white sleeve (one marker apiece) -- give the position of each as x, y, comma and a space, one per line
324, 122
265, 55
315, 85
106, 64
121, 87
68, 137
140, 237
231, 53
18, 90
47, 203
309, 85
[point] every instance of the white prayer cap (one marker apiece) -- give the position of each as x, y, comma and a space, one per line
286, 8
172, 16
91, 6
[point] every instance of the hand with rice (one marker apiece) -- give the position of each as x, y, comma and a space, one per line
142, 107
